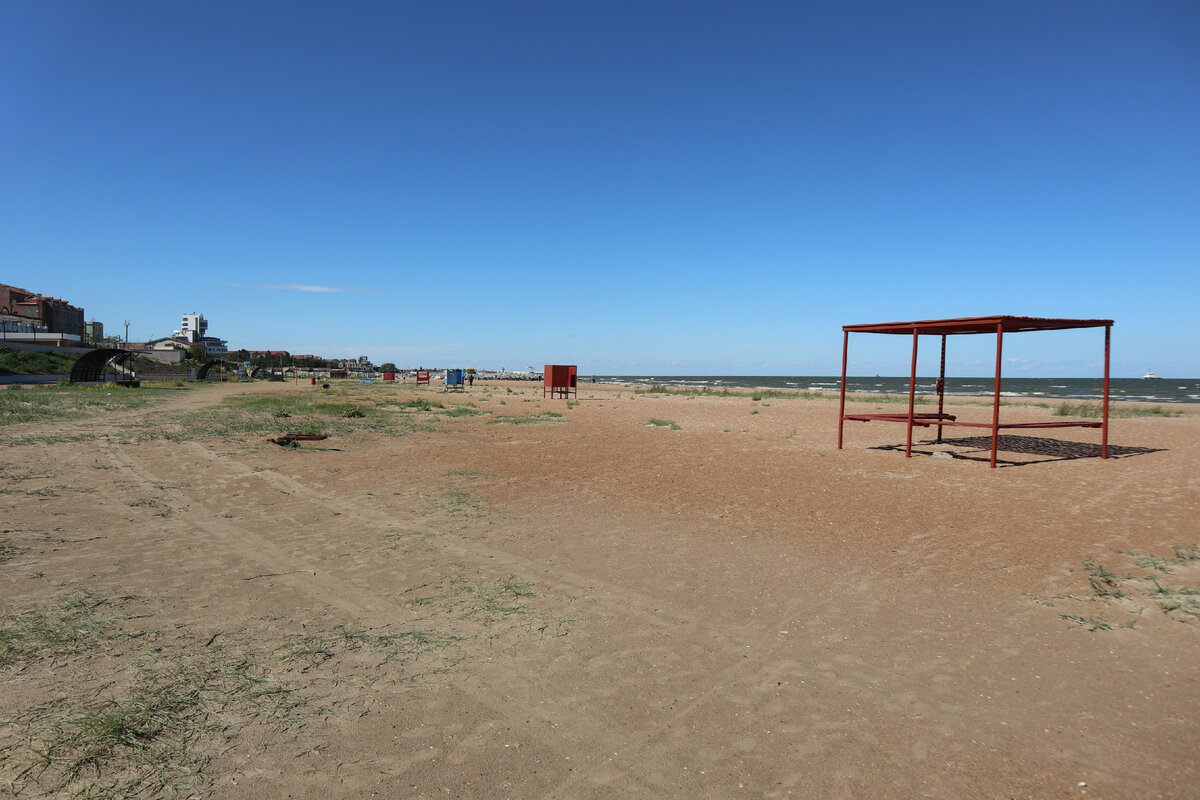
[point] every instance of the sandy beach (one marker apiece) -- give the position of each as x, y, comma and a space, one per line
631, 595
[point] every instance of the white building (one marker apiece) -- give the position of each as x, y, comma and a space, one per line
193, 328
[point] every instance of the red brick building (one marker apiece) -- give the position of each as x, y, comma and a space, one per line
23, 309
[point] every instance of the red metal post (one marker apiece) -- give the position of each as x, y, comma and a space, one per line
941, 387
996, 397
1104, 426
912, 396
842, 406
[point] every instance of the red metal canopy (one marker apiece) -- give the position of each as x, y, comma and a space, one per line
978, 325
998, 325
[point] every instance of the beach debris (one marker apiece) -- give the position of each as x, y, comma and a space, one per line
294, 439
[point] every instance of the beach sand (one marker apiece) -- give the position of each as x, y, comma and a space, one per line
593, 606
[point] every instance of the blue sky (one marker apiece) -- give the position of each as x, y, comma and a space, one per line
637, 188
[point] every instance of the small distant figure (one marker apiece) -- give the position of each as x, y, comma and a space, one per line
470, 379
593, 379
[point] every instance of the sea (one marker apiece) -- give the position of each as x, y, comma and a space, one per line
1151, 390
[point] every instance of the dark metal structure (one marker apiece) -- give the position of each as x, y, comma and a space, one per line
202, 373
998, 325
92, 366
560, 380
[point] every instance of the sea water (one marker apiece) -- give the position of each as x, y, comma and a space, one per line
1160, 390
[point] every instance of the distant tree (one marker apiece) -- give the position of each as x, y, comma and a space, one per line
242, 355
196, 353
387, 367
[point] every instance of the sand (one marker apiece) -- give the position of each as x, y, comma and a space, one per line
614, 609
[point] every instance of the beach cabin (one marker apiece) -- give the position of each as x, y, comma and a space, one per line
455, 380
560, 380
422, 376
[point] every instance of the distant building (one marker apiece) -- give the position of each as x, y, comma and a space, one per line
167, 349
32, 318
192, 330
93, 331
194, 326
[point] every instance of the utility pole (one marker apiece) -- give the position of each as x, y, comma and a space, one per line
126, 334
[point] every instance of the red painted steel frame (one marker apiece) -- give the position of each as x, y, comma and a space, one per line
966, 325
560, 380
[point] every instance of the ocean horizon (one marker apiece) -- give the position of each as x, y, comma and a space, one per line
1150, 390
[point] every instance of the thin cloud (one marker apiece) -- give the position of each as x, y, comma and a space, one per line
299, 287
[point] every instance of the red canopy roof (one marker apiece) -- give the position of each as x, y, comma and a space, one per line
978, 325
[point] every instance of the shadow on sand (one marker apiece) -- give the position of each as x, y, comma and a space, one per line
978, 448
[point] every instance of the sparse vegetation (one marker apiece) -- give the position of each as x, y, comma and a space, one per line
535, 419
150, 727
458, 503
465, 411
342, 414
1103, 582
71, 625
1092, 624
1117, 411
32, 362
708, 391
664, 423
48, 403
8, 550
1136, 592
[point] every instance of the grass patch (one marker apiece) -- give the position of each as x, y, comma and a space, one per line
288, 412
754, 394
1135, 592
32, 362
1091, 623
49, 403
535, 419
9, 549
664, 423
420, 404
465, 411
488, 600
151, 736
1184, 554
69, 626
1103, 582
1096, 410
315, 649
141, 713
458, 503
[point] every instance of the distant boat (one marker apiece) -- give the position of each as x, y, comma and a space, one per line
1150, 375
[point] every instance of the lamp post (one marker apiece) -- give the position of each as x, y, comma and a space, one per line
126, 334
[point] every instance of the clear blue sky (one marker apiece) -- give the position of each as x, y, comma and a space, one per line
634, 187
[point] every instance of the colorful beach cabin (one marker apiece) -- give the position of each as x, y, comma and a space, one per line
455, 380
942, 328
422, 376
560, 380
